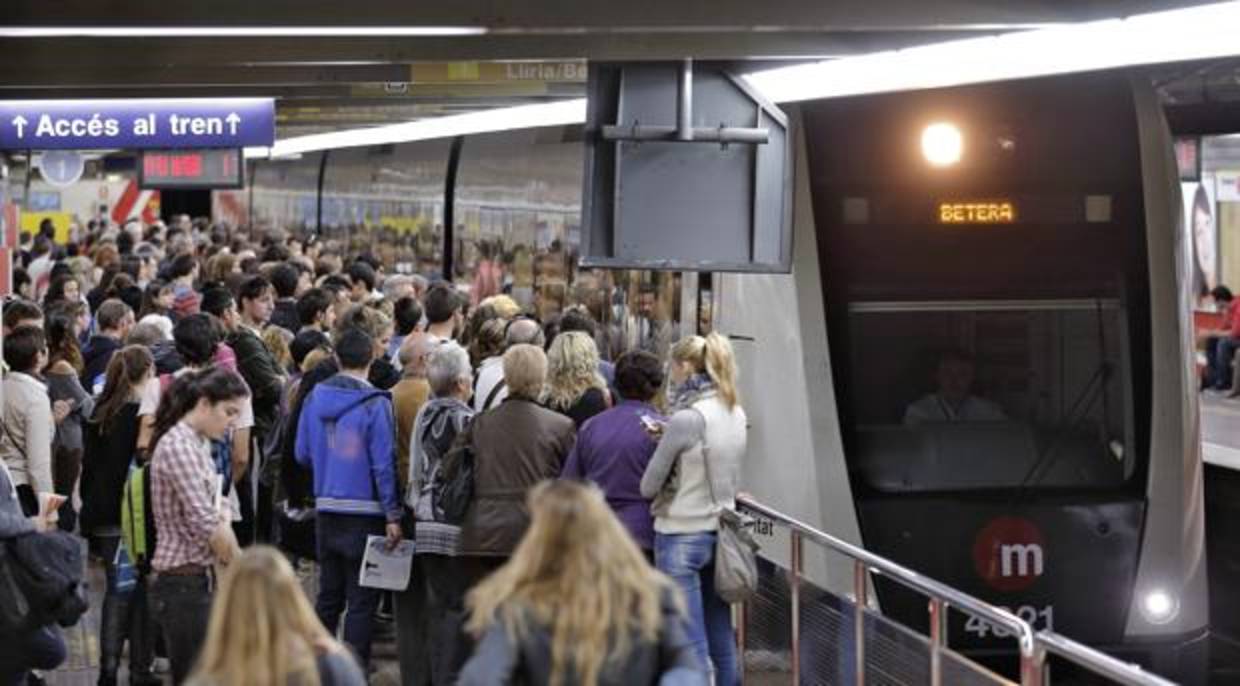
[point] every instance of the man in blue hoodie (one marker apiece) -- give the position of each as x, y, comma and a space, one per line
347, 437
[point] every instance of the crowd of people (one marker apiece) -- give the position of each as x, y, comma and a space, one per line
272, 404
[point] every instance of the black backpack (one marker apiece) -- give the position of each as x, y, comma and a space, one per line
453, 491
40, 582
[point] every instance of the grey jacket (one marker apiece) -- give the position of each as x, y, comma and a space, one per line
503, 659
13, 522
26, 443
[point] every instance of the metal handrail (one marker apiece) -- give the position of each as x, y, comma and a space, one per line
906, 576
1034, 646
1098, 662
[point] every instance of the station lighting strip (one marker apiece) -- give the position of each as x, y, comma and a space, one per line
1195, 33
238, 31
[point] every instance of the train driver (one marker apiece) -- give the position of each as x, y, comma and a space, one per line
954, 400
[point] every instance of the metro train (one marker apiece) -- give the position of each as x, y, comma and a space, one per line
980, 365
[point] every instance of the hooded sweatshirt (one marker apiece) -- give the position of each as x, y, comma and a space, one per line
95, 357
347, 437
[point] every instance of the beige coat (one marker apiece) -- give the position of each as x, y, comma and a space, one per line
26, 442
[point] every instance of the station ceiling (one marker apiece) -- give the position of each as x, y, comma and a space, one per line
500, 53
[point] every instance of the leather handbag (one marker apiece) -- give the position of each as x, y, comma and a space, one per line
736, 563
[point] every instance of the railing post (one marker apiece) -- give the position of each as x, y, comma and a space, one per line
797, 570
938, 639
859, 572
1032, 664
741, 637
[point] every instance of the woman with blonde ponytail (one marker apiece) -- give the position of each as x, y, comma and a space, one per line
263, 631
577, 604
702, 444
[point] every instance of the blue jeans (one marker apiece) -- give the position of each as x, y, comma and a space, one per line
124, 616
689, 559
341, 545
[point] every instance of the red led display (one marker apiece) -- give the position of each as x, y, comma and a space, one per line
196, 169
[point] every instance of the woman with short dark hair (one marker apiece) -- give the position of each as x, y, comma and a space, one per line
614, 447
70, 402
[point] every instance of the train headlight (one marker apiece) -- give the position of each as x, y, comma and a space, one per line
942, 144
1159, 606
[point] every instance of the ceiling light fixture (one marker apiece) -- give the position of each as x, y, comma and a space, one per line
1193, 33
238, 31
499, 119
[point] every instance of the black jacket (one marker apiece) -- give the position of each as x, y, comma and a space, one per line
263, 375
500, 658
95, 357
107, 452
285, 315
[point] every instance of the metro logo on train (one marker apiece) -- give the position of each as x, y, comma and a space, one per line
1009, 553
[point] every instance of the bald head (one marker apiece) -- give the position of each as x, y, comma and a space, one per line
415, 352
523, 331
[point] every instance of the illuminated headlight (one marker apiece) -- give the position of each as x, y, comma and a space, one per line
942, 144
1159, 606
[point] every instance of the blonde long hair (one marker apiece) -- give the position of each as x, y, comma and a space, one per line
572, 369
713, 356
578, 572
263, 631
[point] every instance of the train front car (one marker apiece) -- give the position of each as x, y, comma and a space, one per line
1003, 274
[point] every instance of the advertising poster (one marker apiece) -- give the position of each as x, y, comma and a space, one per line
1201, 220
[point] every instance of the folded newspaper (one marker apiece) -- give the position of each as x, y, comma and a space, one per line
386, 569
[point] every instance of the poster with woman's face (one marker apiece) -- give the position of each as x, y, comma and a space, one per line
1200, 220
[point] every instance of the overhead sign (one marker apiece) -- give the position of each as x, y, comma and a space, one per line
558, 71
101, 124
197, 169
1228, 186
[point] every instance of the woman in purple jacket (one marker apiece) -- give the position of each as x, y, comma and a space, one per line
614, 446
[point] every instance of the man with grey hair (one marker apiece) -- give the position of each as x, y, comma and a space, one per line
420, 284
505, 469
410, 393
435, 597
489, 387
396, 287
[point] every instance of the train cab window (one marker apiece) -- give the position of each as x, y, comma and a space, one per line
952, 396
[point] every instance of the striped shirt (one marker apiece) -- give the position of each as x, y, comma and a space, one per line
185, 490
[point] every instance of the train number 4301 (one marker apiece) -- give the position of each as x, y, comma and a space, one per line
1040, 618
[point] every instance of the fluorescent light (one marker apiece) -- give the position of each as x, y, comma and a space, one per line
499, 119
237, 31
1195, 33
1178, 35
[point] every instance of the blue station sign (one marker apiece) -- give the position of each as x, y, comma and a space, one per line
136, 124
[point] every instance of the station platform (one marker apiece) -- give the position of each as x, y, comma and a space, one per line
82, 666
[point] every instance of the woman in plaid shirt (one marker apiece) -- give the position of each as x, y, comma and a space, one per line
192, 519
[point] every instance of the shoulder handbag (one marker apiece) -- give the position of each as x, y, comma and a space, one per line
736, 564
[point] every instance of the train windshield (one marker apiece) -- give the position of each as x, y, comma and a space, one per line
988, 310
957, 395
